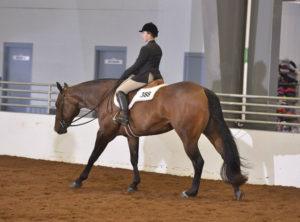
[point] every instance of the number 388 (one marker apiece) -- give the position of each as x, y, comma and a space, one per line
146, 94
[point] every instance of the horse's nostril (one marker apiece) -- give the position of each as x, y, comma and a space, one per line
60, 130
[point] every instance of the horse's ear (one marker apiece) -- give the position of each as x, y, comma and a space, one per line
66, 85
59, 86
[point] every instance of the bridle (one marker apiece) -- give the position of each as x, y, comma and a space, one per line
64, 124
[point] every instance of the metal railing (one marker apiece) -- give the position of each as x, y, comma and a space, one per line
269, 103
261, 111
43, 97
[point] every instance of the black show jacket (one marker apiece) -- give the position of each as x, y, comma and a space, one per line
146, 63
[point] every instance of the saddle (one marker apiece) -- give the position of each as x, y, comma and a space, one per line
145, 93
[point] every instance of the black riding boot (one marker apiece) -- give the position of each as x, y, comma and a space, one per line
123, 116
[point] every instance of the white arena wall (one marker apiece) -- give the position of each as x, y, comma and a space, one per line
273, 157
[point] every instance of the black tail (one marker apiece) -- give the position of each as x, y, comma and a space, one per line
231, 169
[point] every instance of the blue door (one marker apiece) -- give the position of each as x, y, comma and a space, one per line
110, 61
194, 69
17, 67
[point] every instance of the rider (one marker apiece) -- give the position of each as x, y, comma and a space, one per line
142, 72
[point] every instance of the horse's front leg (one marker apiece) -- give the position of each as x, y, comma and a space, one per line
134, 157
101, 142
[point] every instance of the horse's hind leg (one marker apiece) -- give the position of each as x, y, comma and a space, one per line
134, 156
189, 130
100, 144
198, 162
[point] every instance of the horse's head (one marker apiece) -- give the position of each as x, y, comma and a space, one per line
66, 109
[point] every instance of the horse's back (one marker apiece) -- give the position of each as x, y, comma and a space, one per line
187, 90
188, 98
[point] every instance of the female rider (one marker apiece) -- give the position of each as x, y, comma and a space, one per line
142, 72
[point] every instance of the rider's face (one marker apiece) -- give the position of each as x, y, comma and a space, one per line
146, 36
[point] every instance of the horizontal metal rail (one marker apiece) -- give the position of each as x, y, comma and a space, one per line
24, 98
27, 83
258, 96
23, 105
260, 105
24, 90
262, 122
260, 113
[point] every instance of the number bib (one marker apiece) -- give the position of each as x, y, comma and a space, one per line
143, 94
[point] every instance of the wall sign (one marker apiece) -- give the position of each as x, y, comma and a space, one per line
113, 61
21, 58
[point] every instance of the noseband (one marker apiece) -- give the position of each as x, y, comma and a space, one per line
62, 121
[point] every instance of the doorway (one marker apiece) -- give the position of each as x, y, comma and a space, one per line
110, 61
17, 67
194, 69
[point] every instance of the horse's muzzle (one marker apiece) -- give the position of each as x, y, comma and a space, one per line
63, 131
60, 130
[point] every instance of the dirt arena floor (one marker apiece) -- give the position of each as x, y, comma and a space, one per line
37, 190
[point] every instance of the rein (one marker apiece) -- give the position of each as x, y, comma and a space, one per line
64, 123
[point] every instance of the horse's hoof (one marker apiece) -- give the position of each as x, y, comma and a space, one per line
132, 189
183, 195
239, 195
76, 185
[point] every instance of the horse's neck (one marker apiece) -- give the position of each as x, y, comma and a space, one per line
89, 95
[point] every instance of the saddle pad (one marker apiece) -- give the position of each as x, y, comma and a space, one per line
143, 94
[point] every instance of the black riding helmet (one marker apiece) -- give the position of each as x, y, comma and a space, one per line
150, 27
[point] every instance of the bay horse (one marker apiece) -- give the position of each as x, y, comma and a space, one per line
186, 107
